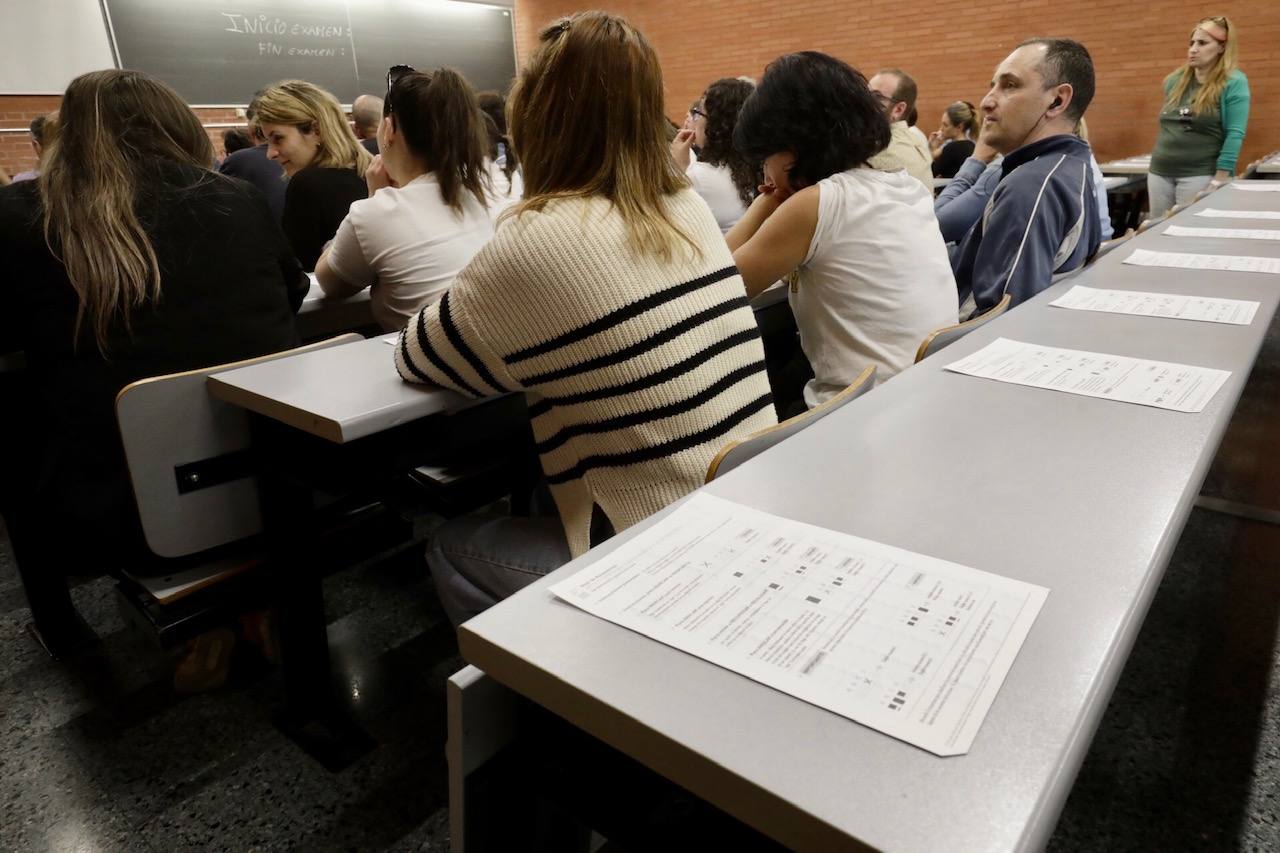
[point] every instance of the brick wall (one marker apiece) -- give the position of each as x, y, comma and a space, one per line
17, 111
950, 50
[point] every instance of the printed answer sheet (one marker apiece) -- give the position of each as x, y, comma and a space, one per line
1210, 309
1239, 214
1256, 186
1189, 261
909, 645
1224, 233
1162, 384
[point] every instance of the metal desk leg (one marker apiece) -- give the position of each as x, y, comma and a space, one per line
482, 721
313, 718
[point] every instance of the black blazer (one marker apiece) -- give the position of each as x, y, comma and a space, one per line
229, 289
315, 204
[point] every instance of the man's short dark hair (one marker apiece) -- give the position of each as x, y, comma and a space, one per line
37, 128
906, 90
816, 106
1067, 61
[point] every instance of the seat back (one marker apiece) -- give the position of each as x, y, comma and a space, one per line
736, 452
1110, 245
188, 457
950, 334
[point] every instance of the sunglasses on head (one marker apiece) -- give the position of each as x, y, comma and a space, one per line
394, 74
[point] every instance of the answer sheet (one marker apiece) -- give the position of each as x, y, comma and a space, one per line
1174, 306
909, 645
1162, 384
1190, 261
1224, 233
1239, 214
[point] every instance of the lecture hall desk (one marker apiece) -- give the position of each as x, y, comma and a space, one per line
1086, 497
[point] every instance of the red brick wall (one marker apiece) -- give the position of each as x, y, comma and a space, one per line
17, 155
951, 49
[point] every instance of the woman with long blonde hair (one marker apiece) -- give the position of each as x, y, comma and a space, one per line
1202, 120
609, 296
308, 135
127, 258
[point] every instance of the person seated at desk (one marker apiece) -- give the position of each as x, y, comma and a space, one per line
1042, 218
426, 213
952, 142
252, 165
722, 176
960, 204
366, 116
609, 296
507, 187
128, 258
872, 276
41, 128
896, 92
308, 135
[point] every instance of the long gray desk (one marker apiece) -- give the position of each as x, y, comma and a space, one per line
1270, 166
1138, 165
1083, 496
341, 393
320, 316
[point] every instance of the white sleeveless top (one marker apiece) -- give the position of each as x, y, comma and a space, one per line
715, 185
875, 282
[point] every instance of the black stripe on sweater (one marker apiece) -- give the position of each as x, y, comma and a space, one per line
666, 374
408, 362
620, 315
432, 356
451, 332
666, 448
667, 334
678, 407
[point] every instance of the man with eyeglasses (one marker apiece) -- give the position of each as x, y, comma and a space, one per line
896, 92
1042, 218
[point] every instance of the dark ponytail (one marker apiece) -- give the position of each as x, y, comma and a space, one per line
439, 119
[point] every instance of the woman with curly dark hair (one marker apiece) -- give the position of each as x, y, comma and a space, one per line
724, 178
872, 275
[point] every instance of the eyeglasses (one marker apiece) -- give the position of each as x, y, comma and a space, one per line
394, 74
694, 111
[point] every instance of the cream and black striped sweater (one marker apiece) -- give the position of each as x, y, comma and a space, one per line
639, 370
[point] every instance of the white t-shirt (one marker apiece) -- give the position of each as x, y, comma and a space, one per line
408, 244
715, 185
876, 280
503, 192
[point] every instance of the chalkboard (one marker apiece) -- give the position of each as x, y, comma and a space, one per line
219, 52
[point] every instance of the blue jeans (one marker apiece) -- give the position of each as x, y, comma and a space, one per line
478, 560
1163, 193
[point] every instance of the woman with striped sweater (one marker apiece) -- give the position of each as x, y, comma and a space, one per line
609, 295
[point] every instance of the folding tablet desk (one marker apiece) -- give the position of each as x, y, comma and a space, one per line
1084, 496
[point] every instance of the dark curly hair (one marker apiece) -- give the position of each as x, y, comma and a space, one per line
721, 102
817, 107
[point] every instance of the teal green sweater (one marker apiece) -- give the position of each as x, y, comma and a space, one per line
1202, 144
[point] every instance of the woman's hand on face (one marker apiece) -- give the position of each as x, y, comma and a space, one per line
376, 177
771, 195
680, 147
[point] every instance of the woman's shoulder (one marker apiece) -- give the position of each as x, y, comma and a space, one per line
1237, 80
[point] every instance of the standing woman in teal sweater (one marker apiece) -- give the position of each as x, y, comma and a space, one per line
1202, 122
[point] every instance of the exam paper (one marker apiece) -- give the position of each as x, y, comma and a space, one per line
1256, 187
1224, 233
1190, 261
1207, 308
1239, 214
1162, 384
909, 645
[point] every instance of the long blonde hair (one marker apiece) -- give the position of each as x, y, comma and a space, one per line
587, 120
311, 109
1210, 94
110, 124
